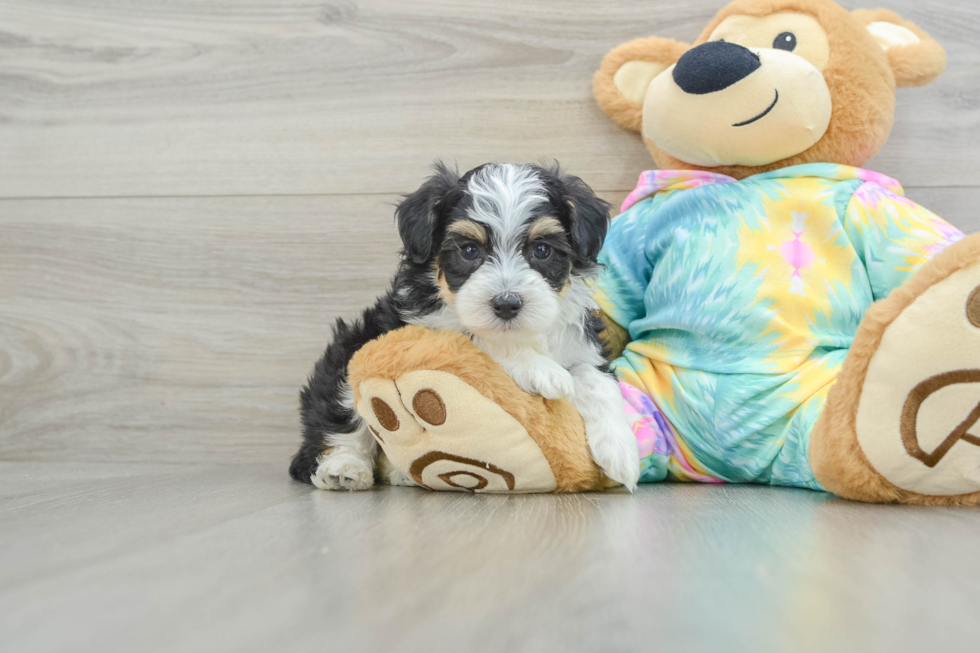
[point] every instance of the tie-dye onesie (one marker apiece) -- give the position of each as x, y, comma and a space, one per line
742, 299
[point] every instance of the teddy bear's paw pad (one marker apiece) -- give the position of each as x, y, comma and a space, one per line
429, 407
468, 443
382, 408
973, 307
443, 471
918, 421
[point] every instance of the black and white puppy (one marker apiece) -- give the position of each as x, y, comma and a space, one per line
501, 254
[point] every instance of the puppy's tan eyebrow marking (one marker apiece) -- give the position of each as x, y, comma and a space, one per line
544, 227
469, 229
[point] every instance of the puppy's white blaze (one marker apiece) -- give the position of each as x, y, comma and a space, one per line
504, 197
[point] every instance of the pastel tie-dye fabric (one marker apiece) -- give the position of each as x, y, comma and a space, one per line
741, 299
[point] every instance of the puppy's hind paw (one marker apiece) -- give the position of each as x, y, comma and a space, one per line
340, 470
390, 475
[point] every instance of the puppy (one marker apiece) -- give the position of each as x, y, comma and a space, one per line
501, 254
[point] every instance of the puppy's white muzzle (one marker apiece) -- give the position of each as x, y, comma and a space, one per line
505, 296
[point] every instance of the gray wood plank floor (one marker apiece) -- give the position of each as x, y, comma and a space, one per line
192, 190
237, 558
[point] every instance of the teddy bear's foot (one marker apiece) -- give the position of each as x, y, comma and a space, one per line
449, 418
903, 421
447, 436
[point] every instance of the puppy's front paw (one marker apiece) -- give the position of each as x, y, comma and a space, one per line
614, 449
546, 378
342, 470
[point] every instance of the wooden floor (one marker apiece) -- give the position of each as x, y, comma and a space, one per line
192, 190
236, 558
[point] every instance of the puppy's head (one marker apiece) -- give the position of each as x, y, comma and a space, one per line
504, 243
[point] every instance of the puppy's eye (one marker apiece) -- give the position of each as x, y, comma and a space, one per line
785, 41
541, 251
469, 252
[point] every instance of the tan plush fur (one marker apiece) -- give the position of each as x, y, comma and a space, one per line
617, 107
614, 337
861, 77
555, 426
912, 65
835, 456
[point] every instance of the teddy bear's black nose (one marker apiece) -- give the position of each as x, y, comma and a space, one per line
714, 66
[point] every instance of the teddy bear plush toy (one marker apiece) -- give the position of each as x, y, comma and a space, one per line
776, 314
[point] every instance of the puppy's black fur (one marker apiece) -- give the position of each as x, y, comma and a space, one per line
422, 218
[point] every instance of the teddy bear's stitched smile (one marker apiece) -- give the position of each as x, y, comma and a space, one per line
761, 115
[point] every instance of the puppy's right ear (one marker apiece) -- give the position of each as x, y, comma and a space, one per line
418, 214
621, 82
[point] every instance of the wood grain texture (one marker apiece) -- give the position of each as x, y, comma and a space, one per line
155, 558
124, 97
173, 329
180, 329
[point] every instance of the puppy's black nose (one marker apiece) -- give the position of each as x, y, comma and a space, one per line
714, 66
506, 305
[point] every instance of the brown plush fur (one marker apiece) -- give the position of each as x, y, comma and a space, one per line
555, 426
912, 65
614, 337
835, 455
860, 75
616, 106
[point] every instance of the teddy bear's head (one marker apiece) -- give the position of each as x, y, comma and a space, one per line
768, 84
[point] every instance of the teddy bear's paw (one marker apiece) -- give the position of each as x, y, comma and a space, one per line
542, 377
382, 407
918, 420
344, 470
443, 434
614, 449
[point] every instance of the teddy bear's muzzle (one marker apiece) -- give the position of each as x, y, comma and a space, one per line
726, 104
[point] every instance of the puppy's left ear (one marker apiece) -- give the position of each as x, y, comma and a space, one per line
588, 216
915, 57
418, 214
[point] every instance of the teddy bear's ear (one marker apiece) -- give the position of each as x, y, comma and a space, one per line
915, 57
621, 82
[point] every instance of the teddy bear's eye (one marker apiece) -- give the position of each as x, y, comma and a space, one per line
785, 41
